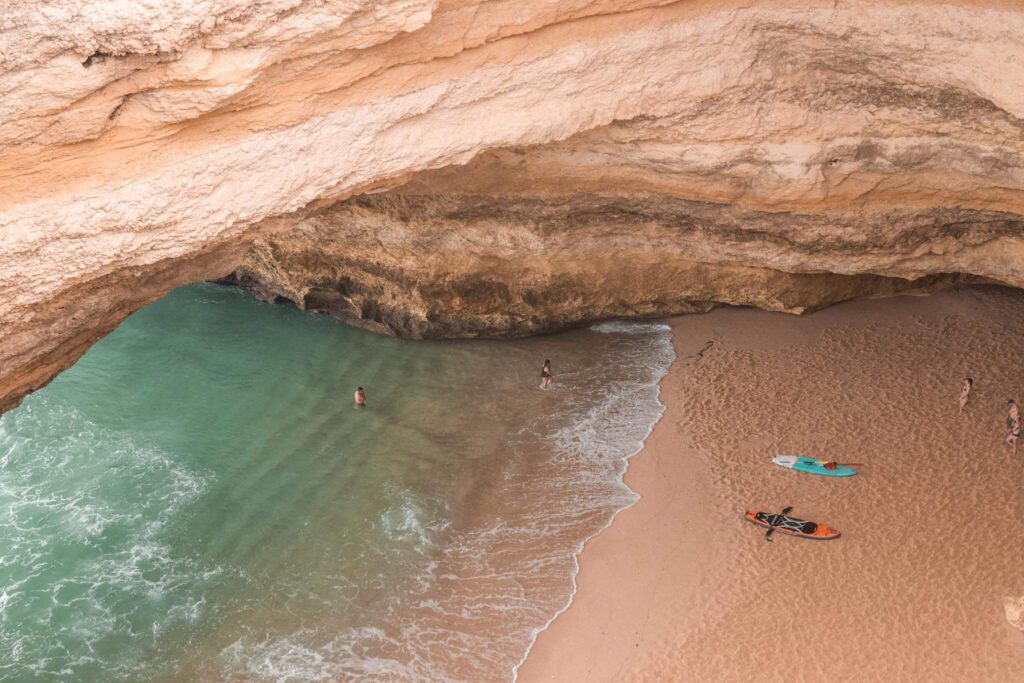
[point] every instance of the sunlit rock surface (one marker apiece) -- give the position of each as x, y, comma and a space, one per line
532, 164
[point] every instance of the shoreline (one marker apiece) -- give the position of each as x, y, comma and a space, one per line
627, 465
546, 658
678, 588
427, 566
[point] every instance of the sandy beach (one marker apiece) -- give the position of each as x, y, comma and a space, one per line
680, 589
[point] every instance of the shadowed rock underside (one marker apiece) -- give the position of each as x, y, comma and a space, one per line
470, 168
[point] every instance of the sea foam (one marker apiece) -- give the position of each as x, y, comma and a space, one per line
162, 518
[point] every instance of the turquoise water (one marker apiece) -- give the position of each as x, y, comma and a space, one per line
197, 498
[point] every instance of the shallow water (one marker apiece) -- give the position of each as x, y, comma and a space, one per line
197, 499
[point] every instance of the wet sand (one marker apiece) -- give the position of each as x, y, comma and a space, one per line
680, 589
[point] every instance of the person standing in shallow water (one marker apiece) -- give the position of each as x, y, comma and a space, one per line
965, 392
546, 376
360, 397
1013, 422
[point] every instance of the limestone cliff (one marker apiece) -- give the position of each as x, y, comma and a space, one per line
467, 167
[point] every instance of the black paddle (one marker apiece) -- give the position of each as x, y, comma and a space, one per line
771, 527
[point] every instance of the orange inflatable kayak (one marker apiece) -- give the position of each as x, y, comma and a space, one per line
791, 526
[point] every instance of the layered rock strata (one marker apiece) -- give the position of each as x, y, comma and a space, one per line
658, 157
498, 265
525, 241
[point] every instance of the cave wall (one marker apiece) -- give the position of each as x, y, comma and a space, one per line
783, 154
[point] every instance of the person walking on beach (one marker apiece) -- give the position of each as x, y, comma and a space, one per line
546, 376
965, 392
1013, 422
360, 397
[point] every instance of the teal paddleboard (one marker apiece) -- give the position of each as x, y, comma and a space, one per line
813, 466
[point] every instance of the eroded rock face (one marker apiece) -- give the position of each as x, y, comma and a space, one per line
657, 157
459, 265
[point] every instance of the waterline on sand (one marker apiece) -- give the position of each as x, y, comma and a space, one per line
664, 355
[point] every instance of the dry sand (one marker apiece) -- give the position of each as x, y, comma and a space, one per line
679, 589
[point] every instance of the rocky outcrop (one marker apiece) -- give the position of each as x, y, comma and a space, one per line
460, 265
524, 241
625, 157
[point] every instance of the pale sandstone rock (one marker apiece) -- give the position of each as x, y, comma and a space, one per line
786, 154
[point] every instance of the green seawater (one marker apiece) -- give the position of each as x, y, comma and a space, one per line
198, 499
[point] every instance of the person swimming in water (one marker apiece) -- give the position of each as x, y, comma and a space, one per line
360, 397
546, 376
1013, 422
965, 392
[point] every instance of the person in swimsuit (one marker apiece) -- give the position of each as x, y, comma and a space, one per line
546, 375
360, 397
965, 392
1013, 422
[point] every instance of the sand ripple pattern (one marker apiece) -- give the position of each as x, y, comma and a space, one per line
933, 525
